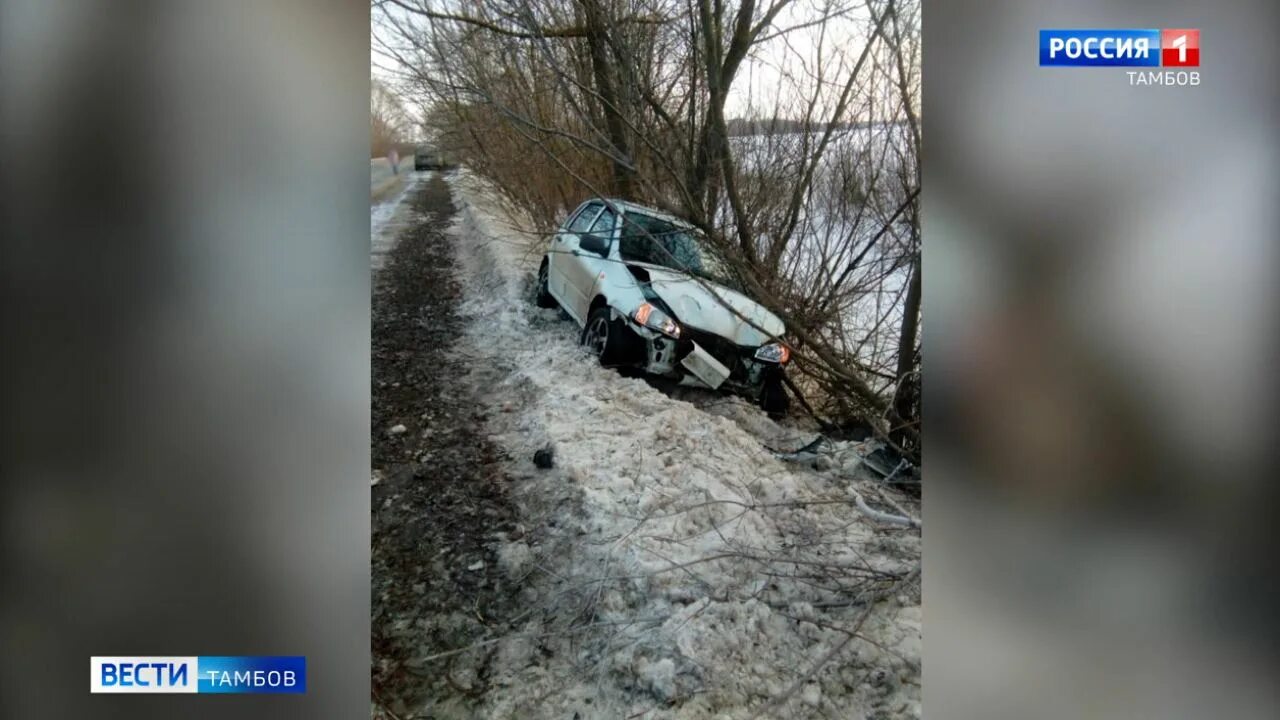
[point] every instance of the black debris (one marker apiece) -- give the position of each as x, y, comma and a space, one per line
545, 458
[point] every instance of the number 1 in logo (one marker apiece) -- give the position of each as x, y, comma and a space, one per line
1180, 48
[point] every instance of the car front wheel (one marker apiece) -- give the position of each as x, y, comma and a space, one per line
602, 336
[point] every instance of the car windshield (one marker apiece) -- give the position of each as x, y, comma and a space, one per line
652, 240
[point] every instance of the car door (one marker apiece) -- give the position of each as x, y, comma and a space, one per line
587, 264
563, 260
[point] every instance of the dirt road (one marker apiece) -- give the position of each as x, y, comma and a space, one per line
439, 486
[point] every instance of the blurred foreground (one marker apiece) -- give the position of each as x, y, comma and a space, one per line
1100, 302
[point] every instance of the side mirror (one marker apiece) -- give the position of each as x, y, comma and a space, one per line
594, 243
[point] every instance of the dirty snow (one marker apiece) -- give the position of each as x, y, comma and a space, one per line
673, 567
388, 219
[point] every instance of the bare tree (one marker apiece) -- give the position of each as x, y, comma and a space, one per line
815, 211
388, 121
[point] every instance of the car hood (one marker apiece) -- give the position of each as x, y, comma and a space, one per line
694, 304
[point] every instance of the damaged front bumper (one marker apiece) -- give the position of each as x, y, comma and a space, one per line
700, 360
705, 367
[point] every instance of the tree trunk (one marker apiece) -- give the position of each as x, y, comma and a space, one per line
615, 125
906, 397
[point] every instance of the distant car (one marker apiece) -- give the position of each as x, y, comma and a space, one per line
648, 295
427, 159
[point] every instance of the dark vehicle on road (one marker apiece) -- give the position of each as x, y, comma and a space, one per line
427, 159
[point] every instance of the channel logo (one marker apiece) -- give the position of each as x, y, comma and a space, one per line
198, 674
1120, 48
1180, 48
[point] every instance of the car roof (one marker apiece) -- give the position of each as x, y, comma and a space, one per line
627, 207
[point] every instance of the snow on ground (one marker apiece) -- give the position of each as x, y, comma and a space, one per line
388, 219
674, 568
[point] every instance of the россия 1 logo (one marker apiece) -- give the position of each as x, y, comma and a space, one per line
1170, 48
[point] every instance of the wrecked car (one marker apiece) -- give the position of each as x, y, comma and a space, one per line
649, 295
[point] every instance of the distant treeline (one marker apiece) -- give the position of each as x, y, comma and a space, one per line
739, 127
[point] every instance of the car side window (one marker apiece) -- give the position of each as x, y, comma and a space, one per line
641, 240
603, 226
582, 221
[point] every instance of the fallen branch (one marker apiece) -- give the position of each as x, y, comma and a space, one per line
782, 700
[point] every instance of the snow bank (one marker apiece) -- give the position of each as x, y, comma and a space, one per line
693, 575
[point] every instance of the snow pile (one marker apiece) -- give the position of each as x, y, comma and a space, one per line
694, 575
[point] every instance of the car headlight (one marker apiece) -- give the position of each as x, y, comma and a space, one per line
774, 353
654, 319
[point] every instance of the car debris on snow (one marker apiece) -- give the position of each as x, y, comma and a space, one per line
807, 455
874, 456
891, 467
545, 457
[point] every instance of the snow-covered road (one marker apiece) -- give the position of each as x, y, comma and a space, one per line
671, 566
389, 219
382, 180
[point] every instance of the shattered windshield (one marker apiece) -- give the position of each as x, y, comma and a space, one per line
652, 240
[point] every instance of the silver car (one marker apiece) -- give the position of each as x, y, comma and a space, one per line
648, 295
